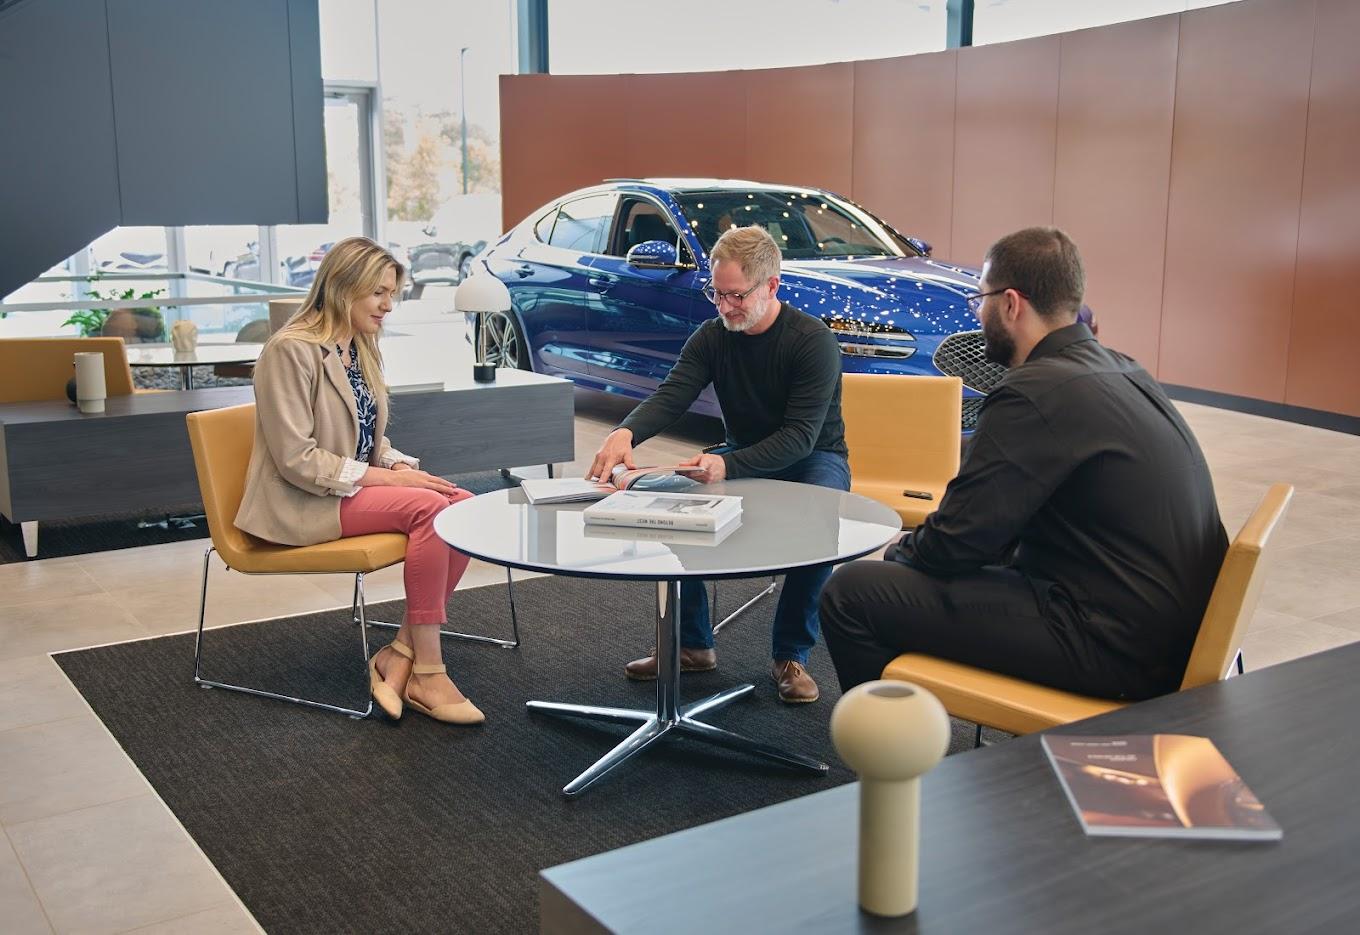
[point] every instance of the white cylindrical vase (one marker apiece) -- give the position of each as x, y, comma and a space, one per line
91, 390
889, 732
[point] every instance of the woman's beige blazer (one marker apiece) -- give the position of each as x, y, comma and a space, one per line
306, 426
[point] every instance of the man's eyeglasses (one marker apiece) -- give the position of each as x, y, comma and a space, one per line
736, 298
975, 301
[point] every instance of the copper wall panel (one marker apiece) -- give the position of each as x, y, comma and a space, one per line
1116, 102
686, 124
904, 143
1324, 341
1172, 149
1236, 171
1006, 124
798, 125
559, 132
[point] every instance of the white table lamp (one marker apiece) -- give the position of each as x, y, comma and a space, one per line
889, 732
480, 294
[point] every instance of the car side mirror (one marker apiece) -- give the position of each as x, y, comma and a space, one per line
920, 245
653, 254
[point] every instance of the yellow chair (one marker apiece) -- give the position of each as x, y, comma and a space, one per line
1019, 707
903, 434
221, 440
37, 369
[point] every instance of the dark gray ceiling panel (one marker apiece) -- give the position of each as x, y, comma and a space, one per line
309, 140
58, 170
203, 99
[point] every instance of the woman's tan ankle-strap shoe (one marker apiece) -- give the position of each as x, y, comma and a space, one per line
464, 712
385, 695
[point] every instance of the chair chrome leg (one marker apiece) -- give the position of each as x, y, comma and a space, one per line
769, 589
512, 643
977, 737
209, 683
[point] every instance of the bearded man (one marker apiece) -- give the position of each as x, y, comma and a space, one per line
1080, 541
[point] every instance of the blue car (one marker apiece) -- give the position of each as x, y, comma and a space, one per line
606, 282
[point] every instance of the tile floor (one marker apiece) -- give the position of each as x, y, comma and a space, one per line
87, 846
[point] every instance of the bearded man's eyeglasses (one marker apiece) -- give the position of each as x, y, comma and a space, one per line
736, 298
975, 301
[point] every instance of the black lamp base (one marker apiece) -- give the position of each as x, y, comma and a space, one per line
484, 373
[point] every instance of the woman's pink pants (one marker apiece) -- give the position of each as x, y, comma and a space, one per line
432, 568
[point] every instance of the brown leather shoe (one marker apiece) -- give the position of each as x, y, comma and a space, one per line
795, 684
691, 660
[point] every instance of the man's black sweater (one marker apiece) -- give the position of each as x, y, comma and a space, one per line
780, 392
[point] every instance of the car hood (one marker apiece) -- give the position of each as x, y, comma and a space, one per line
918, 294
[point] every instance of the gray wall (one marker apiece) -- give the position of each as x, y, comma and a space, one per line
154, 112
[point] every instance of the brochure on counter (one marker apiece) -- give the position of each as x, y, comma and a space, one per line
695, 511
1156, 785
575, 489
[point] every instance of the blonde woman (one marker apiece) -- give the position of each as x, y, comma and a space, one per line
322, 469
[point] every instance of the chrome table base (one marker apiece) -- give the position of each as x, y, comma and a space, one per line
669, 716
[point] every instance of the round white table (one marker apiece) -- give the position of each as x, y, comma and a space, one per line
783, 526
164, 355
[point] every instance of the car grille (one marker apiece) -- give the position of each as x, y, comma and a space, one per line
961, 355
972, 405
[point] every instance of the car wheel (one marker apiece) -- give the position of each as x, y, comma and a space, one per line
505, 345
465, 267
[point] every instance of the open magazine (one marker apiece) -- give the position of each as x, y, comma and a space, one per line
1156, 785
574, 489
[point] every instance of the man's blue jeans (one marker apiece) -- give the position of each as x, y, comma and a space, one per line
795, 618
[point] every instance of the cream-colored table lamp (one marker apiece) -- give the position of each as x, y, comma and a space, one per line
889, 732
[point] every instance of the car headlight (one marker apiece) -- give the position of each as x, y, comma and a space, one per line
871, 339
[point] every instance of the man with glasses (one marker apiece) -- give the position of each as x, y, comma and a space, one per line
777, 374
1078, 545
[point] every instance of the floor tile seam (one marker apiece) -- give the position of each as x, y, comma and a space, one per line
42, 907
5, 605
1282, 553
1317, 618
55, 720
186, 915
17, 825
151, 790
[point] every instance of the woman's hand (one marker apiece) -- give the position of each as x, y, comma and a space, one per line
403, 466
410, 477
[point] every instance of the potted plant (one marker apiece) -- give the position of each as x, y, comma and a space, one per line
138, 324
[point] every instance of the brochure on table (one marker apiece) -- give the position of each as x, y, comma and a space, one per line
576, 489
1156, 785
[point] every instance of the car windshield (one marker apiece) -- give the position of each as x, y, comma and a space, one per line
806, 225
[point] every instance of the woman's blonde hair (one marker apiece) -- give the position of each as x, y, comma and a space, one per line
351, 269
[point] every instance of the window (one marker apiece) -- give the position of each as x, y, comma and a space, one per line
129, 249
440, 68
806, 225
613, 37
231, 251
582, 225
543, 229
1004, 20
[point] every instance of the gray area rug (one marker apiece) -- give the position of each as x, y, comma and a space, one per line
326, 824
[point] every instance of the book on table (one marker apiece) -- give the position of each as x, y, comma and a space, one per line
1156, 785
695, 511
576, 489
682, 537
